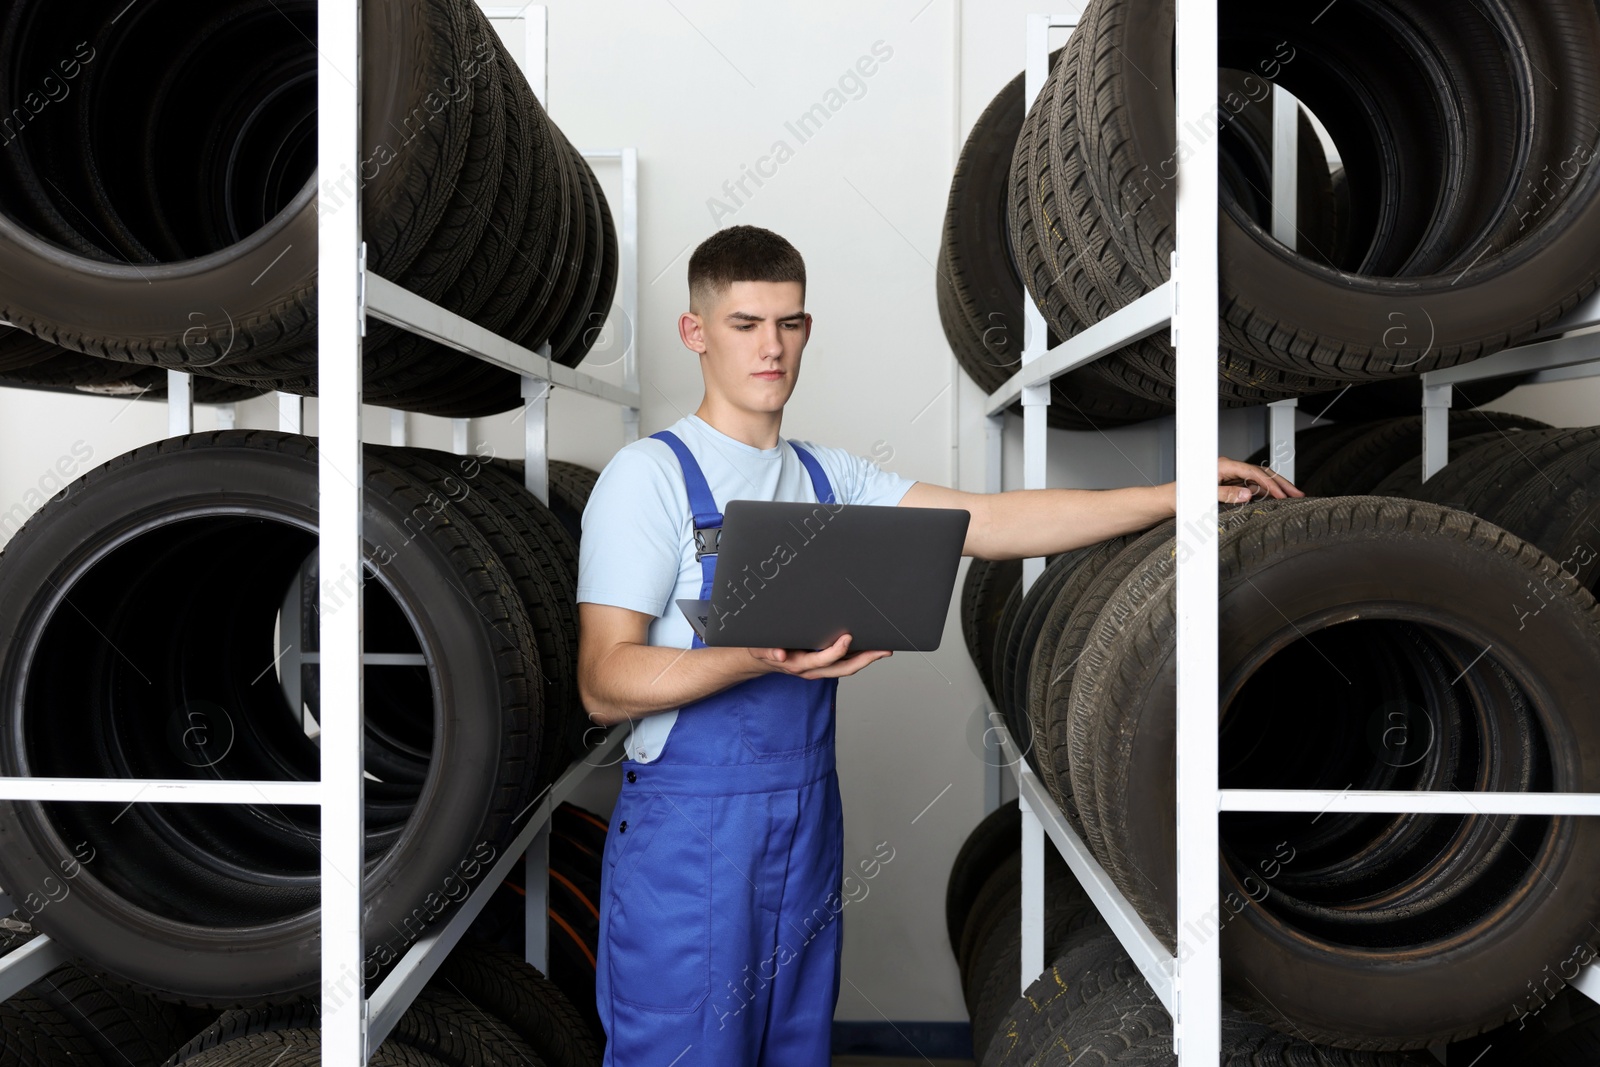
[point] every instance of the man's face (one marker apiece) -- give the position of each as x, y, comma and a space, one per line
750, 343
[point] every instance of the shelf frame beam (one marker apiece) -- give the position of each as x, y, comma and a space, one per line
28, 963
1398, 802
421, 961
1142, 946
1150, 314
389, 302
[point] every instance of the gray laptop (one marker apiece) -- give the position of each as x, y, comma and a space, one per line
795, 575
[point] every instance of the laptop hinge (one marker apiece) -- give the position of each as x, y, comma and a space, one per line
701, 539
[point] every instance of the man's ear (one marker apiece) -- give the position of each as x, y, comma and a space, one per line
691, 331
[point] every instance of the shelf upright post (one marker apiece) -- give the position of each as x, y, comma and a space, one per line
180, 403
536, 478
1280, 436
535, 391
1035, 444
994, 441
291, 412
341, 266
535, 433
1033, 960
1285, 168
1435, 427
536, 902
1285, 230
1167, 438
629, 251
994, 773
1197, 1022
537, 28
1035, 451
1035, 398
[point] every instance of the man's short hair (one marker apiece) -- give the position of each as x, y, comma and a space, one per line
741, 254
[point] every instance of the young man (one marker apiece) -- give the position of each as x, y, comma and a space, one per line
719, 927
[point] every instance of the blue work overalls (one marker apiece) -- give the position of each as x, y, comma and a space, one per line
720, 924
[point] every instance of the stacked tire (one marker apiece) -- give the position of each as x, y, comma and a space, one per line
980, 288
1461, 218
1092, 996
127, 246
79, 1015
1384, 457
483, 1007
577, 843
1556, 1028
1539, 482
1536, 481
30, 362
1092, 1006
983, 907
1366, 642
110, 607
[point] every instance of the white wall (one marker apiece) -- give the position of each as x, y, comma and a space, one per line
704, 89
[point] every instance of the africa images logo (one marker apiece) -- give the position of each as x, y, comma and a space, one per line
782, 555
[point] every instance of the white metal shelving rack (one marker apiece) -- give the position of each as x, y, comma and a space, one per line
354, 1024
1190, 988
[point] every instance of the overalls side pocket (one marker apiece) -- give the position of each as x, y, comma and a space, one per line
662, 923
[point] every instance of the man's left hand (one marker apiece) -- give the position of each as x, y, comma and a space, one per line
1238, 482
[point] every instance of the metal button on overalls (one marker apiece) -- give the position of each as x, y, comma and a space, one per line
720, 920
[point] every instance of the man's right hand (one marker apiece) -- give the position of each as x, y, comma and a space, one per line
830, 662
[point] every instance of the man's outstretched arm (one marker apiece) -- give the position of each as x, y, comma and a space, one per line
1042, 522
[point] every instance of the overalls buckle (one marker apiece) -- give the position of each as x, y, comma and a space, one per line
700, 549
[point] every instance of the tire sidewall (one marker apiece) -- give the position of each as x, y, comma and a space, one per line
1390, 999
222, 964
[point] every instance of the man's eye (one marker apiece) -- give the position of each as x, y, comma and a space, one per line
791, 325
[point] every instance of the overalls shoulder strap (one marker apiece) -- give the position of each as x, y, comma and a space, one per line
708, 517
819, 479
703, 504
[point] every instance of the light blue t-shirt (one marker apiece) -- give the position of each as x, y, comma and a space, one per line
637, 549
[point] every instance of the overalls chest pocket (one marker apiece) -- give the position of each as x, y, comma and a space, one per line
783, 717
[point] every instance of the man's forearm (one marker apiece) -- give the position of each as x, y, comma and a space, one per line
638, 680
1042, 522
